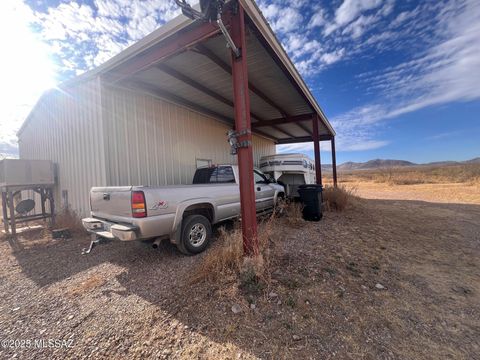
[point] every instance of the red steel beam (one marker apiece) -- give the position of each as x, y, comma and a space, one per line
316, 148
302, 139
174, 98
243, 124
201, 49
284, 120
196, 85
279, 129
304, 128
334, 162
174, 44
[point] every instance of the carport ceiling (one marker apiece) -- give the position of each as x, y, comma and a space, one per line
198, 76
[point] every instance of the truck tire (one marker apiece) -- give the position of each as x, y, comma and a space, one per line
196, 234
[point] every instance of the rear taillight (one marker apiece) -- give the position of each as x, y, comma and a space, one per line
139, 207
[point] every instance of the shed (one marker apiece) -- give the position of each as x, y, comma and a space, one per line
163, 106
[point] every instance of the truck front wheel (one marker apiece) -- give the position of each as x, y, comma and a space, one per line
196, 234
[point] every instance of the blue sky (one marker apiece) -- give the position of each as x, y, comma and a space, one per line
397, 79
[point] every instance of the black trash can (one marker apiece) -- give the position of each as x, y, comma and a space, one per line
311, 197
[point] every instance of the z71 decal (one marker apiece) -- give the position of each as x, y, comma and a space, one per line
162, 204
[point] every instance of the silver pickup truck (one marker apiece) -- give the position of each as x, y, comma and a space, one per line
182, 213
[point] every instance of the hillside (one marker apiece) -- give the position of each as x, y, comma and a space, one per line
473, 161
388, 163
374, 164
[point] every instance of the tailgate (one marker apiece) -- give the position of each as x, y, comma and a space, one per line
111, 201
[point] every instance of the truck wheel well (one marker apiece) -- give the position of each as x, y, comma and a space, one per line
200, 209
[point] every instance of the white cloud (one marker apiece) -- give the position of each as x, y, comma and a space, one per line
350, 10
403, 16
305, 28
358, 27
304, 148
318, 19
282, 19
446, 72
330, 58
90, 35
340, 145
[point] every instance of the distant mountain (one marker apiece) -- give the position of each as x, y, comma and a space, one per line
381, 163
442, 163
473, 161
374, 164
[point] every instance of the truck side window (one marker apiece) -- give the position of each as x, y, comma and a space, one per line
225, 175
259, 178
205, 176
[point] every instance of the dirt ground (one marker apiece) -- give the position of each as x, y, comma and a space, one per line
458, 193
392, 278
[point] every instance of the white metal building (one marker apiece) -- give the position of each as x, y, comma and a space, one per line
160, 108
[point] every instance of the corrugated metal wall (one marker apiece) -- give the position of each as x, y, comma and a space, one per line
120, 137
66, 127
150, 141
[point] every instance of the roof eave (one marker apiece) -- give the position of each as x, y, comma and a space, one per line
262, 25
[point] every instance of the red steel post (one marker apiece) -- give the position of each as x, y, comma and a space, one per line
243, 125
334, 162
316, 148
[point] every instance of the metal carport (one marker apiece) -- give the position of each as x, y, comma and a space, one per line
187, 62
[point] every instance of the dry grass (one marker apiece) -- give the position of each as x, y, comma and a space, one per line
465, 173
69, 220
293, 213
439, 183
338, 198
226, 257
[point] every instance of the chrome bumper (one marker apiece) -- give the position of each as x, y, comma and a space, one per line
110, 230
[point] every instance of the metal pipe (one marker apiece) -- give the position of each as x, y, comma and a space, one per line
316, 148
334, 162
156, 243
225, 33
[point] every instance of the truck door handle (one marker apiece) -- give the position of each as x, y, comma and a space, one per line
258, 188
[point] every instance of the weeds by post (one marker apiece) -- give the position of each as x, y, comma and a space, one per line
338, 198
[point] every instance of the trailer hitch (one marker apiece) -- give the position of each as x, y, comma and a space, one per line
96, 240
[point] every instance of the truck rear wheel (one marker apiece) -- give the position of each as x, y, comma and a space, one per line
196, 234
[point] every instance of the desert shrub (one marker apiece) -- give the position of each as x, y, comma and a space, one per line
70, 220
407, 180
337, 198
226, 256
432, 174
294, 215
291, 211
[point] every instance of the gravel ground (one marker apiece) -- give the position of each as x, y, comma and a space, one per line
382, 280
